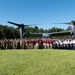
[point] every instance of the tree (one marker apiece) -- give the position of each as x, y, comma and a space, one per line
69, 28
8, 32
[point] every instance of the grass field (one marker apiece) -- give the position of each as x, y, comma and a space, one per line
37, 62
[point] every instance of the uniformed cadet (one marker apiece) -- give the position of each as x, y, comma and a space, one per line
14, 43
47, 44
44, 43
36, 44
51, 42
0, 44
73, 43
31, 44
54, 45
40, 44
27, 43
24, 44
11, 45
61, 44
18, 44
5, 43
21, 43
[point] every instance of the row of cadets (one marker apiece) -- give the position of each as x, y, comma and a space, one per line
35, 43
38, 44
64, 44
47, 43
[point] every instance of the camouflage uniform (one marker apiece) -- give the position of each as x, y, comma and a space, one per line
2, 44
24, 44
21, 44
18, 44
5, 43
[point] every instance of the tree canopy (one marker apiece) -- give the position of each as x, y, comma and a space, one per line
11, 32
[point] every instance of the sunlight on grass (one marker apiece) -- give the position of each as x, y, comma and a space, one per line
37, 62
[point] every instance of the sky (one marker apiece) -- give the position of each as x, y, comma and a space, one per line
42, 12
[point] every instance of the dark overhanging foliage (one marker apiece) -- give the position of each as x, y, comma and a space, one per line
8, 32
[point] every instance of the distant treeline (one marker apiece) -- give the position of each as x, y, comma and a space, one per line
8, 32
11, 32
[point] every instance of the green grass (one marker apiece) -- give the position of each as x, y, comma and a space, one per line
37, 62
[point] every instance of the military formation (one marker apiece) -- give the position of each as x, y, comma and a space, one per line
64, 44
37, 43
